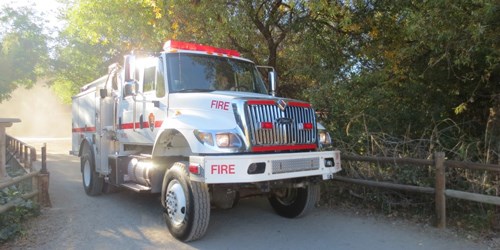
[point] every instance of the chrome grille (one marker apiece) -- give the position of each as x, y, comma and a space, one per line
295, 165
287, 124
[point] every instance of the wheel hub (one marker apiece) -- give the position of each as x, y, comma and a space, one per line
86, 173
287, 196
175, 201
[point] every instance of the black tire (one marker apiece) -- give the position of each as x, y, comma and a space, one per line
295, 202
92, 182
109, 188
186, 204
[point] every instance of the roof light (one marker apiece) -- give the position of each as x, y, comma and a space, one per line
173, 45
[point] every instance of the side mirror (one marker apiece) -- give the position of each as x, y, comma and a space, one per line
103, 93
130, 89
273, 79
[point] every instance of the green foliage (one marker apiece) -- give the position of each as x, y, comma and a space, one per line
10, 221
407, 66
99, 34
23, 49
261, 30
76, 66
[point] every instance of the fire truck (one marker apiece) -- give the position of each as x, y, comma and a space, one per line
197, 124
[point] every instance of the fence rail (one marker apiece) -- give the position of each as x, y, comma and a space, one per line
25, 156
25, 153
439, 190
34, 192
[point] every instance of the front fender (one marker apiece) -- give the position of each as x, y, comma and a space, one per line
176, 136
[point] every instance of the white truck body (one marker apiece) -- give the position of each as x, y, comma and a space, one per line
205, 110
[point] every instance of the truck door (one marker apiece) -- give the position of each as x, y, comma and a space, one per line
143, 113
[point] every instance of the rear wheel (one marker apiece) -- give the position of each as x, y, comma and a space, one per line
294, 202
92, 182
186, 204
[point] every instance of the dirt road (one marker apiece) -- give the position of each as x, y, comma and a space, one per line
126, 220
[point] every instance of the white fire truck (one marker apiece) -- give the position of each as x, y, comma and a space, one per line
196, 123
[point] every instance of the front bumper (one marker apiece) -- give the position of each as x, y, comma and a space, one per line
235, 168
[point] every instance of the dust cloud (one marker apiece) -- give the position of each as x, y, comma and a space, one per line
42, 113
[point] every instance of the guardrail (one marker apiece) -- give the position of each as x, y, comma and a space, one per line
25, 153
25, 156
439, 190
34, 192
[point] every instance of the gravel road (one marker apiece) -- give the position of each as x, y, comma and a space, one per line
126, 220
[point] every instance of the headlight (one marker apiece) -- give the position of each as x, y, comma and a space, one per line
222, 139
204, 137
324, 138
227, 140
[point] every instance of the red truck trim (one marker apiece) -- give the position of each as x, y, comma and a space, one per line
124, 126
272, 102
84, 130
299, 104
138, 125
283, 147
261, 102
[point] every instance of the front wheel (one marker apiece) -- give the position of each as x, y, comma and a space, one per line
186, 204
294, 202
92, 182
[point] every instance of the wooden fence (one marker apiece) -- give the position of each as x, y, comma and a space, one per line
22, 152
14, 181
25, 156
439, 190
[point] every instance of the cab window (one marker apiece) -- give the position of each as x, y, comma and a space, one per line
149, 79
160, 79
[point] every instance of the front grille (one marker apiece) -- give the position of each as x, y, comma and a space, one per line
295, 165
288, 124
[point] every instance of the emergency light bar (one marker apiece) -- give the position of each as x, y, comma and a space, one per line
173, 44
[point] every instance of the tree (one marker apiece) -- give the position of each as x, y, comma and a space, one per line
403, 66
261, 30
99, 34
23, 49
258, 29
413, 65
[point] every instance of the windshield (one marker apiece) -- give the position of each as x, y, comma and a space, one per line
203, 73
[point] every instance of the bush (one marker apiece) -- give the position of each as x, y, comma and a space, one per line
445, 136
10, 221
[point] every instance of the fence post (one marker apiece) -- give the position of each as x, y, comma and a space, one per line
43, 182
32, 157
440, 190
21, 153
32, 154
25, 156
44, 159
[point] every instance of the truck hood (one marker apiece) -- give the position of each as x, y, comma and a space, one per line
216, 101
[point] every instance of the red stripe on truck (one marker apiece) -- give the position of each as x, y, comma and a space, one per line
272, 102
283, 147
138, 125
83, 130
124, 126
299, 104
261, 102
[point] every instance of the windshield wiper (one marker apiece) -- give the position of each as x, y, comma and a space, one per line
193, 90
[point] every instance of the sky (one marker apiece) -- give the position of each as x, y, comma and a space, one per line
47, 8
41, 5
